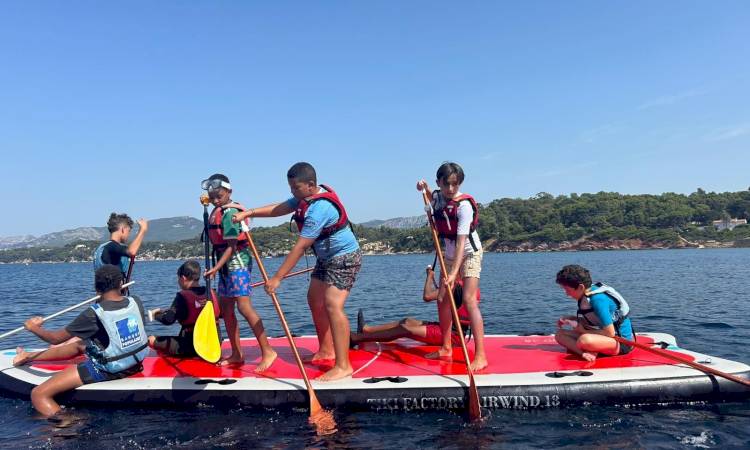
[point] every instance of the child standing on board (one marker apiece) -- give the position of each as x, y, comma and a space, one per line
324, 226
456, 217
602, 313
233, 265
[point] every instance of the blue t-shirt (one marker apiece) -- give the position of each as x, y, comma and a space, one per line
323, 214
604, 309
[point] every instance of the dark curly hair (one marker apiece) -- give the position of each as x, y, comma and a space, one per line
107, 278
190, 269
118, 220
574, 275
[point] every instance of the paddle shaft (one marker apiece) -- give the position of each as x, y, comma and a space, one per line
59, 313
206, 248
475, 412
299, 272
314, 403
692, 364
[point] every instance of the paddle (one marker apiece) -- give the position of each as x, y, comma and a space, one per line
130, 273
323, 420
205, 333
59, 313
475, 413
299, 272
692, 364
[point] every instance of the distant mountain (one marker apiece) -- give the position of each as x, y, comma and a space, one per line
171, 229
397, 222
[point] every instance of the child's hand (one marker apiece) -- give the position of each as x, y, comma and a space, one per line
271, 285
451, 280
143, 225
34, 323
240, 216
211, 273
421, 185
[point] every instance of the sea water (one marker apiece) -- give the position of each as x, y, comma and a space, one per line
699, 296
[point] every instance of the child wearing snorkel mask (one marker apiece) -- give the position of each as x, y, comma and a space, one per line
233, 265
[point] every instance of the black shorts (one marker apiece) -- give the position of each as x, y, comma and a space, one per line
625, 349
180, 346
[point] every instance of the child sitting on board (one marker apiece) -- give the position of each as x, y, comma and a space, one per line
602, 313
113, 338
185, 309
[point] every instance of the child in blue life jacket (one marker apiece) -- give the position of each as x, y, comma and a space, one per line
185, 309
112, 335
115, 251
324, 226
602, 313
456, 216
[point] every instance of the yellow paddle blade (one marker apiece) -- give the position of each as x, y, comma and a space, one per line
206, 336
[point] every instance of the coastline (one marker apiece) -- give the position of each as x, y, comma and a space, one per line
581, 245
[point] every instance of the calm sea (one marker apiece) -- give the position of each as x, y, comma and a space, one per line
700, 296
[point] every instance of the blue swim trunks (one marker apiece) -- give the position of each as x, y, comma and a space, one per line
235, 284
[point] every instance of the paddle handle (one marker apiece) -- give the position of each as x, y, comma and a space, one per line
59, 313
475, 412
686, 361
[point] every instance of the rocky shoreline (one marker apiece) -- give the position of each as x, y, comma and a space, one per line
379, 248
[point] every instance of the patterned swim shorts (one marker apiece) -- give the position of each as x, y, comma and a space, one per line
235, 284
340, 271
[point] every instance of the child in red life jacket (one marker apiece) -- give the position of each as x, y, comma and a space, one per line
324, 226
233, 265
456, 217
185, 308
427, 332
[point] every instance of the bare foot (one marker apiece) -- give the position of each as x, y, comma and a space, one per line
336, 373
266, 361
319, 358
440, 354
590, 357
478, 364
21, 356
231, 360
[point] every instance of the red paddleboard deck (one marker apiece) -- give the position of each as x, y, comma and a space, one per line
523, 372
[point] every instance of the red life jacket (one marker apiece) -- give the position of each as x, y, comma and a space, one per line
463, 313
330, 195
194, 309
446, 218
216, 234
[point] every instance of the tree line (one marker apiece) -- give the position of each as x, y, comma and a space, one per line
542, 218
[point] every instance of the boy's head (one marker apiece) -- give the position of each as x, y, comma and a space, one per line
119, 226
188, 273
303, 182
450, 176
574, 279
218, 188
107, 278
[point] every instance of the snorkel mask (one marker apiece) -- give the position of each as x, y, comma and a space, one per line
213, 184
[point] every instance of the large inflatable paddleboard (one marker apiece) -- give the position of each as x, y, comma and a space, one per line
524, 372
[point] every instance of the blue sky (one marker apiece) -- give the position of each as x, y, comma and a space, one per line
126, 106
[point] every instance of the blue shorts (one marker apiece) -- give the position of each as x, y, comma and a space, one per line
235, 284
89, 373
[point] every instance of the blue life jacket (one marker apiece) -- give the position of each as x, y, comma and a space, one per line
620, 314
128, 342
124, 260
